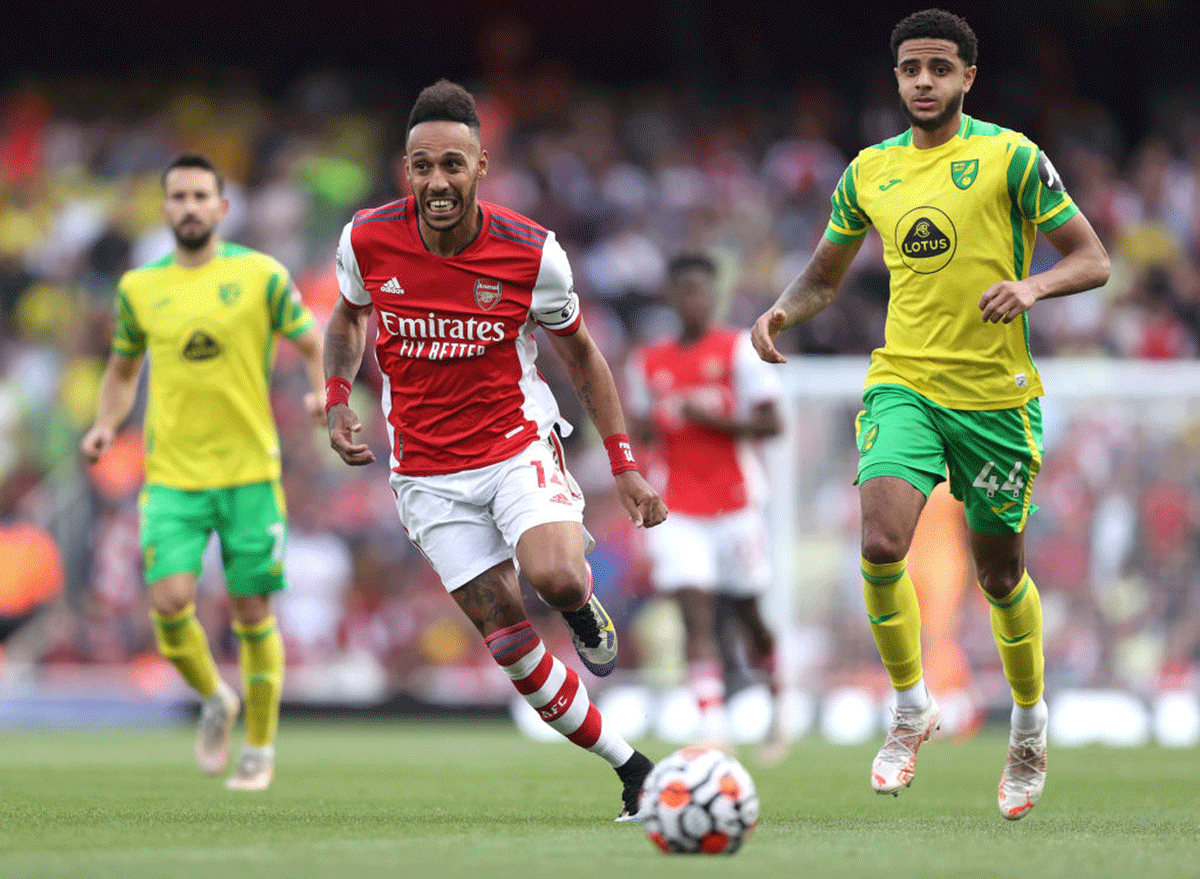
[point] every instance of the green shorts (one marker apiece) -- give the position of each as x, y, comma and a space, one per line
992, 455
250, 520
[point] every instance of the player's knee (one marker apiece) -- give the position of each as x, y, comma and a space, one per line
698, 620
171, 595
252, 609
1000, 582
698, 611
562, 586
882, 547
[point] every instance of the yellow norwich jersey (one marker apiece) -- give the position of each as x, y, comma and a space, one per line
209, 334
954, 220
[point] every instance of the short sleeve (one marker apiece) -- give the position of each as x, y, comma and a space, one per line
129, 339
638, 402
289, 316
848, 222
755, 381
1036, 188
350, 280
555, 304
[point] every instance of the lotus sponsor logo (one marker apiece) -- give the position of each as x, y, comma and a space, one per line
926, 239
201, 346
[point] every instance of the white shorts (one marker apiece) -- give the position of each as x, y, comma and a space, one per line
726, 554
467, 522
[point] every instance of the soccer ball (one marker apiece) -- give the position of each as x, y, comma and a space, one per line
699, 801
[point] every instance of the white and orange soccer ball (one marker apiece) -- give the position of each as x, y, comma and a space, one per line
699, 801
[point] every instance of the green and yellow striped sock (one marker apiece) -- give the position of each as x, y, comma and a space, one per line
895, 620
261, 658
1017, 628
181, 639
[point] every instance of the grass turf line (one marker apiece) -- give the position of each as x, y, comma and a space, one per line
467, 800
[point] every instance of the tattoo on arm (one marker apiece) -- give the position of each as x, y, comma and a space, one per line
340, 354
585, 397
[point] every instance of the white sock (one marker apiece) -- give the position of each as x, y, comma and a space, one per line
915, 697
1030, 720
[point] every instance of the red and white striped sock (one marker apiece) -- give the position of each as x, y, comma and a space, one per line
555, 692
707, 684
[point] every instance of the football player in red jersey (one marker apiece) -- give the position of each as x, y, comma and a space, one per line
458, 286
707, 400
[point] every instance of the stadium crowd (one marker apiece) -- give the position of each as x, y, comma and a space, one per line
626, 180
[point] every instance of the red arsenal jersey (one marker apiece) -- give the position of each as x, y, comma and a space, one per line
456, 343
709, 472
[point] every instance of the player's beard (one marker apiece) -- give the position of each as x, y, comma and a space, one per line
469, 206
194, 240
951, 109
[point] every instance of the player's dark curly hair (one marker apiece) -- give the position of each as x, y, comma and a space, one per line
687, 262
444, 101
939, 25
194, 160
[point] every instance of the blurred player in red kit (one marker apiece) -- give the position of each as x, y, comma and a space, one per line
708, 400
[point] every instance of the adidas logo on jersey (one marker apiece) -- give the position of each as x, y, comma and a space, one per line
392, 286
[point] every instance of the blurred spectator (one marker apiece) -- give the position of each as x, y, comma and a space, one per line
31, 568
624, 174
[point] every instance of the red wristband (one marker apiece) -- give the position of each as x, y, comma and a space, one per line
337, 390
620, 453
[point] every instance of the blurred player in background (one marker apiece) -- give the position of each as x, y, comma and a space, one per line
958, 204
705, 397
206, 317
458, 287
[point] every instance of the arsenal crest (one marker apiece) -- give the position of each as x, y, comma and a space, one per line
488, 293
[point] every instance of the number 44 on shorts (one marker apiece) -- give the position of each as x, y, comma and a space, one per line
986, 480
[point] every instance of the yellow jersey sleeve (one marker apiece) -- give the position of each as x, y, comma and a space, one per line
847, 221
129, 339
289, 316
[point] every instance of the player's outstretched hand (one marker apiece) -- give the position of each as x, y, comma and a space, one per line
315, 407
95, 442
763, 333
343, 425
642, 502
1005, 300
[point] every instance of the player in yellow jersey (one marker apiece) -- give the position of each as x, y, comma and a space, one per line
206, 317
957, 203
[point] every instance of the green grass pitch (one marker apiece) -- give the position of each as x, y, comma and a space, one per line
411, 799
